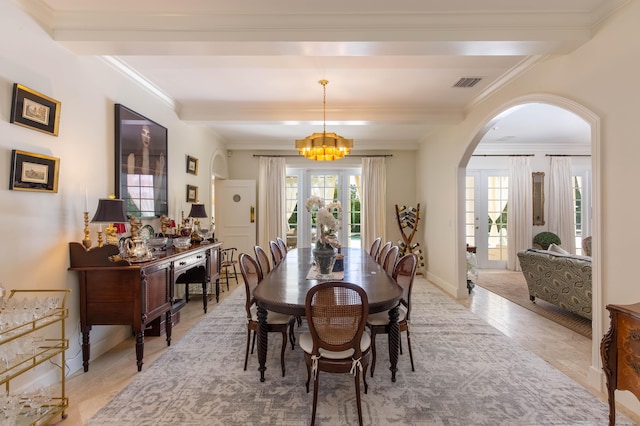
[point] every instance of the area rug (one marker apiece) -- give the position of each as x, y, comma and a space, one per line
467, 373
512, 286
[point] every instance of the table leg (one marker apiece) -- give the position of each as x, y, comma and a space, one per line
262, 341
394, 341
217, 290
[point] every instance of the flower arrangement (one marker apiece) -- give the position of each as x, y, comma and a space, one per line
328, 220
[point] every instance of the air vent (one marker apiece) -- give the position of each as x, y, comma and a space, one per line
467, 81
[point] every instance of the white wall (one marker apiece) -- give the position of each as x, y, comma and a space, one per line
38, 226
602, 77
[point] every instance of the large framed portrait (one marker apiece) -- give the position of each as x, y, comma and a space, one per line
141, 164
34, 110
33, 172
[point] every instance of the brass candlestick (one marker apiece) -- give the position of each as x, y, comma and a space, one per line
99, 238
86, 242
165, 223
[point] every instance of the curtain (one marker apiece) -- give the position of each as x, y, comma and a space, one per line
520, 210
562, 219
373, 201
271, 200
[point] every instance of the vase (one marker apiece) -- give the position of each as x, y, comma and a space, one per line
325, 258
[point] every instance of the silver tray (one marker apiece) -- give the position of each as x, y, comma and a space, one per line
140, 259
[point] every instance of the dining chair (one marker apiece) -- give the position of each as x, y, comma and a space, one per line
378, 323
375, 246
383, 253
263, 260
336, 312
276, 253
390, 260
227, 262
277, 323
282, 246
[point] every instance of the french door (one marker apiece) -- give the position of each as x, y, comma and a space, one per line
331, 185
486, 216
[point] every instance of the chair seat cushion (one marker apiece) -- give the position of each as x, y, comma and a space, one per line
272, 317
306, 343
382, 318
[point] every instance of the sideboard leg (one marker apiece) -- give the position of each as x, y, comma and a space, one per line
140, 347
86, 348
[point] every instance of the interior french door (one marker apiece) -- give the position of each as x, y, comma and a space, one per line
486, 216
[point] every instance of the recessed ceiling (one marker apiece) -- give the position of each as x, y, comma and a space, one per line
249, 70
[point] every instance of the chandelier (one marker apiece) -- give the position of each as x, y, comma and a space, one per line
324, 146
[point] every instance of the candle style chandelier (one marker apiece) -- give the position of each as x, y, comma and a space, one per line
324, 146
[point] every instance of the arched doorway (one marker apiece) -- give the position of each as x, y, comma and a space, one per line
593, 123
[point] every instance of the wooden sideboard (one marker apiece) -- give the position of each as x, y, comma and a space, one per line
117, 292
620, 351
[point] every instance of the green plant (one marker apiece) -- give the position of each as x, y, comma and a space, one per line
545, 239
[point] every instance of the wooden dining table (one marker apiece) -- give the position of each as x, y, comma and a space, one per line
285, 288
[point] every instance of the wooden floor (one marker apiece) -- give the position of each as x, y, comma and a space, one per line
567, 351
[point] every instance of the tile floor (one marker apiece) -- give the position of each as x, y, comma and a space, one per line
111, 372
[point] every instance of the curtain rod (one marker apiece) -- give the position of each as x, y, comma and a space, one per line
503, 155
568, 155
300, 156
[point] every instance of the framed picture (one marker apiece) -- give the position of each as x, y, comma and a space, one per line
141, 164
34, 110
192, 165
192, 194
33, 172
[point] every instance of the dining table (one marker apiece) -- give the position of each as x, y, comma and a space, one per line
285, 288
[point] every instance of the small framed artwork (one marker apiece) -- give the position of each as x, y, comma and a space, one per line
34, 110
33, 172
192, 165
192, 194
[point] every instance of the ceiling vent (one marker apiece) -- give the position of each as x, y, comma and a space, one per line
467, 82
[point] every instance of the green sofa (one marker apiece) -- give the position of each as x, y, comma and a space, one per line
561, 279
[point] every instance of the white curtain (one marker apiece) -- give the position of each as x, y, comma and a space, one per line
520, 210
562, 219
271, 200
373, 201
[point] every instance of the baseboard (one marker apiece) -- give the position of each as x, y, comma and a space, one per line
447, 287
115, 336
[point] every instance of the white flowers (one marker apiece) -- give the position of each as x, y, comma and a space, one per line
328, 219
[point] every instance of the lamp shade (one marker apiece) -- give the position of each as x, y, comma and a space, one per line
197, 210
110, 211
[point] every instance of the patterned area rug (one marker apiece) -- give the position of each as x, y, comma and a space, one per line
467, 373
512, 286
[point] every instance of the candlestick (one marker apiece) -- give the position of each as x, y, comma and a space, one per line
86, 242
100, 237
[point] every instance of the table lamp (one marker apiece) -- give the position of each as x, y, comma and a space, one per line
110, 210
197, 211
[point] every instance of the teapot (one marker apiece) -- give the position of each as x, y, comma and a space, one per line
136, 247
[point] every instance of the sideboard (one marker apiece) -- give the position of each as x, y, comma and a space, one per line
114, 291
620, 351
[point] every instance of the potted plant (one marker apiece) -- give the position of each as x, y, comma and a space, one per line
545, 239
